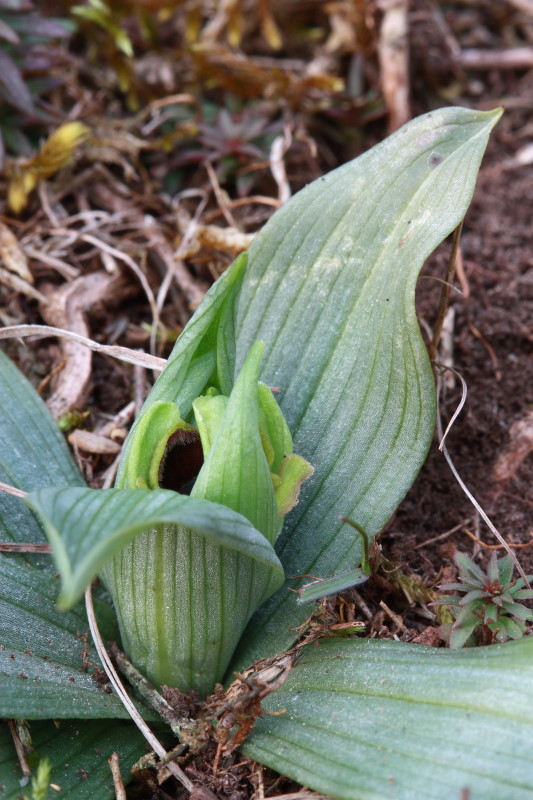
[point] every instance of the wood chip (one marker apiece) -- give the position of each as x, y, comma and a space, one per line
393, 53
93, 442
13, 255
519, 447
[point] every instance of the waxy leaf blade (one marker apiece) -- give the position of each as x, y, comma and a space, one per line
33, 455
78, 753
330, 290
46, 657
368, 719
42, 667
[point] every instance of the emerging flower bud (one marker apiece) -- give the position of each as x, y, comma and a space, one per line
183, 601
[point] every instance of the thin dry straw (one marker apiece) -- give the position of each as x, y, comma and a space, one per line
468, 493
154, 743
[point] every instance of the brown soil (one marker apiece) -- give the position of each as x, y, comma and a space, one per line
492, 351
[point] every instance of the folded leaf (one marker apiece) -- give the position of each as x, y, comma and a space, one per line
236, 471
337, 583
203, 354
368, 719
330, 290
86, 527
179, 625
183, 599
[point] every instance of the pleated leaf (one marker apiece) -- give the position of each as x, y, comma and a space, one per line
383, 720
330, 290
78, 753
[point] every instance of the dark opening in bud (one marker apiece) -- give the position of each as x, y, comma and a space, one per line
182, 461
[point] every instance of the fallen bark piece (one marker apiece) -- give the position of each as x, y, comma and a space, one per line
520, 446
66, 308
93, 442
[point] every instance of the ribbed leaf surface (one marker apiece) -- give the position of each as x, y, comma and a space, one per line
382, 720
86, 527
330, 290
78, 752
179, 626
42, 667
33, 455
45, 657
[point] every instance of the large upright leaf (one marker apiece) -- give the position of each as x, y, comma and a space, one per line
383, 720
330, 290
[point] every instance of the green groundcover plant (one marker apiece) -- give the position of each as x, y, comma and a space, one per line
487, 606
227, 490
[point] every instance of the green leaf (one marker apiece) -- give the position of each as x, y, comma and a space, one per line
45, 656
235, 471
206, 346
379, 719
86, 527
330, 290
272, 423
33, 455
179, 625
462, 630
78, 753
37, 641
337, 583
469, 570
504, 570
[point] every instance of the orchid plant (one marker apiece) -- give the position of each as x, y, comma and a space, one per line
300, 392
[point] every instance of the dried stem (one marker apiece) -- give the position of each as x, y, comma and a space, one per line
115, 351
120, 791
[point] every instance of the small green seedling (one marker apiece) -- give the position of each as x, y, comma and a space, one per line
487, 605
